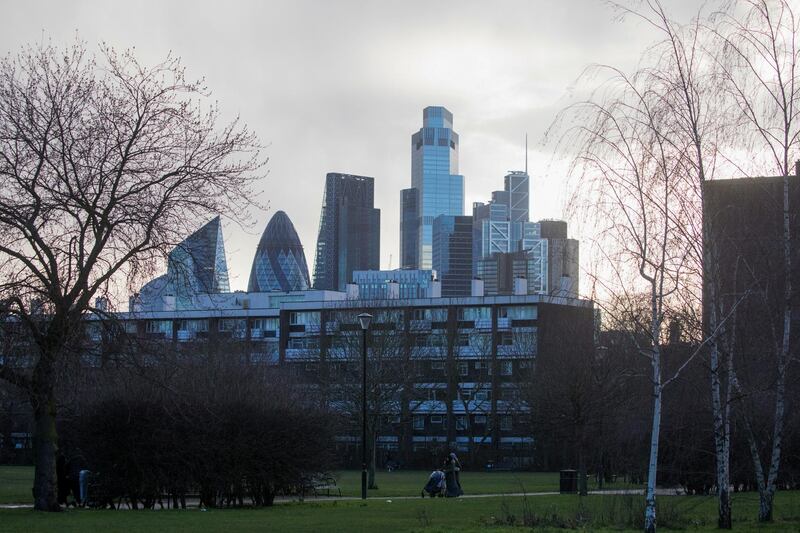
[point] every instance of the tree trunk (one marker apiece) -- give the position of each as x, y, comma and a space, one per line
650, 499
45, 438
721, 444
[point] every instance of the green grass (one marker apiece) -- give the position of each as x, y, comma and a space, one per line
692, 513
383, 514
15, 484
410, 482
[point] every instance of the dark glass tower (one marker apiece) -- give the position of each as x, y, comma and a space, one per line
349, 231
434, 175
452, 254
279, 263
409, 228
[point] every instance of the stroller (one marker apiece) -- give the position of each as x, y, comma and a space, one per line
435, 485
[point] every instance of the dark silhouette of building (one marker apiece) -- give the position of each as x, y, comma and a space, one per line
409, 228
744, 218
349, 231
452, 254
279, 263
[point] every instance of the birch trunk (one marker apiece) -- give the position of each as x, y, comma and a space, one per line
652, 470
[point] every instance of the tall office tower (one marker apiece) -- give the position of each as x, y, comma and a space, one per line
197, 265
349, 231
562, 259
517, 190
434, 174
279, 263
452, 254
409, 228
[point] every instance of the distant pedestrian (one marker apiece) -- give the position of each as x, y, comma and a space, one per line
453, 490
457, 467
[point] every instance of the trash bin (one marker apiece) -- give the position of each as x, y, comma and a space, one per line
569, 482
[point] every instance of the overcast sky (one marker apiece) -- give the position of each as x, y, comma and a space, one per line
339, 86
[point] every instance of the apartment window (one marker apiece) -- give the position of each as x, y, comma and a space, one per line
480, 420
506, 368
264, 324
231, 324
419, 423
474, 313
518, 312
481, 396
158, 326
505, 423
461, 423
463, 369
506, 338
193, 325
437, 365
436, 419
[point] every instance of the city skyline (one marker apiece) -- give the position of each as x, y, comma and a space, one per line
339, 87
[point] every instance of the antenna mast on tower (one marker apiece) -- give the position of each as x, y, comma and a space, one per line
526, 153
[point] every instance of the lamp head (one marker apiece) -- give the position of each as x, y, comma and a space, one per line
364, 319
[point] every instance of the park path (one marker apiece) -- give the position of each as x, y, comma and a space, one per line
283, 500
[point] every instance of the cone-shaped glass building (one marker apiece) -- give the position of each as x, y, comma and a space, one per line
198, 266
279, 264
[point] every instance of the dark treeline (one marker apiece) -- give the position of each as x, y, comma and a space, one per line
226, 432
593, 414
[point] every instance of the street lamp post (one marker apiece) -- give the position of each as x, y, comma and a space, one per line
364, 319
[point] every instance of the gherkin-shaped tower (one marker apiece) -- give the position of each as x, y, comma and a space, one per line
279, 264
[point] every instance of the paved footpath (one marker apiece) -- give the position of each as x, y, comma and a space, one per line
283, 500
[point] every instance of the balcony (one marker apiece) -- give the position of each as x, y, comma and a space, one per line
507, 350
331, 327
185, 335
504, 324
256, 334
483, 323
313, 328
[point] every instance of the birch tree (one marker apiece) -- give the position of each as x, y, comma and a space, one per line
759, 63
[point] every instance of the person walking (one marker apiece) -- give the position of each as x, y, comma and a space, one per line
457, 468
452, 488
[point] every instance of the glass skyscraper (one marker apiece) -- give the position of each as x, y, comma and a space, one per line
349, 231
434, 175
279, 263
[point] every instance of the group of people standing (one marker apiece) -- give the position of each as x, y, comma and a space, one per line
445, 481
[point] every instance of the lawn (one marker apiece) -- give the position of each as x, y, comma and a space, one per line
384, 513
16, 481
548, 513
410, 482
15, 484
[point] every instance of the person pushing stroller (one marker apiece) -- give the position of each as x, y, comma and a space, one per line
436, 484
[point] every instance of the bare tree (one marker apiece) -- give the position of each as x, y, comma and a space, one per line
105, 164
759, 64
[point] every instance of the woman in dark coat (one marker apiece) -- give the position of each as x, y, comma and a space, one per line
453, 490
